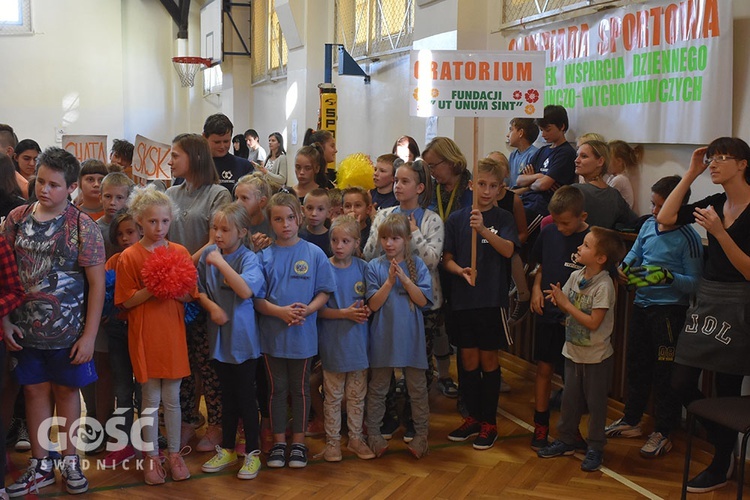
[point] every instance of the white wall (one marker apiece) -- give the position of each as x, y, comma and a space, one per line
68, 74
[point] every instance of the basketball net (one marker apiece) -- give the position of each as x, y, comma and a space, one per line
187, 67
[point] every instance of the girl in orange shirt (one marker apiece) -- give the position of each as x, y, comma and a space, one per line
156, 332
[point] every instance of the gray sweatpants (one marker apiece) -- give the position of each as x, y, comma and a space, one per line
416, 384
288, 377
586, 385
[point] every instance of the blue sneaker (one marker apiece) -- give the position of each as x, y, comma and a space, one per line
556, 449
593, 461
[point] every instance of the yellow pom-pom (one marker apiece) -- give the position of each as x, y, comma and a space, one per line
355, 170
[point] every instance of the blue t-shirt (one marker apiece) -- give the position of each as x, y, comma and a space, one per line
397, 330
518, 161
679, 250
322, 241
558, 163
237, 340
293, 274
342, 343
557, 255
492, 282
383, 200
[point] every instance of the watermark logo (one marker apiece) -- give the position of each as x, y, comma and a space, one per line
87, 434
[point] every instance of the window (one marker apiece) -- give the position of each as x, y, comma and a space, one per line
270, 52
369, 28
516, 10
15, 17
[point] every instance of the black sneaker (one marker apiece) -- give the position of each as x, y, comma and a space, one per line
708, 480
297, 456
486, 438
556, 449
540, 439
593, 461
389, 427
520, 310
277, 456
470, 427
409, 433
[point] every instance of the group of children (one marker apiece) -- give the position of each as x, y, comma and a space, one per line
296, 265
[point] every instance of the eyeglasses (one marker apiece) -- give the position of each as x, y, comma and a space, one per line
718, 159
433, 165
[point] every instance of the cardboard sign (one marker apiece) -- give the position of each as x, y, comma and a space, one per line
150, 159
86, 147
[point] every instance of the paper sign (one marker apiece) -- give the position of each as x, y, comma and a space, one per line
86, 147
150, 159
476, 83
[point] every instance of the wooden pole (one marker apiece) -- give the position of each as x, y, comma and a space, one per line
474, 206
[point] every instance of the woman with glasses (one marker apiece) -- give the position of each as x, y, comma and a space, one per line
447, 165
716, 335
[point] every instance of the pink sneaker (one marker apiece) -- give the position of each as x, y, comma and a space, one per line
115, 458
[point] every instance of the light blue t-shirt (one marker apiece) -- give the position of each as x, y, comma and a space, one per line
397, 330
237, 340
518, 161
342, 343
293, 274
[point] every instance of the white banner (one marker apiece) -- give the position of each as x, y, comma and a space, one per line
85, 147
471, 83
150, 159
653, 72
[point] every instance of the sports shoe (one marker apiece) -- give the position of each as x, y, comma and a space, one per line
448, 387
75, 482
469, 428
520, 310
315, 428
556, 449
177, 466
540, 439
331, 452
22, 438
657, 444
486, 438
378, 445
40, 473
593, 461
224, 458
115, 458
298, 456
389, 427
251, 466
153, 470
418, 446
620, 428
360, 448
706, 481
210, 440
277, 456
409, 433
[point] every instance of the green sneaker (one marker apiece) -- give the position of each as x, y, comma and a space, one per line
223, 459
251, 467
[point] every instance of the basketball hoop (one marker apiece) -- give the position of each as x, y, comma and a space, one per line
187, 67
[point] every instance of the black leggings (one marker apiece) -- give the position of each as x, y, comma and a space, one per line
685, 383
237, 384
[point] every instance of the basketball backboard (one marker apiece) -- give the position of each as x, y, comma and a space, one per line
212, 28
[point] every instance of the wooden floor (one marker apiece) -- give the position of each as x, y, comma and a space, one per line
452, 470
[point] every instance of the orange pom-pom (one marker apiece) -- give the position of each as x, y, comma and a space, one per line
169, 274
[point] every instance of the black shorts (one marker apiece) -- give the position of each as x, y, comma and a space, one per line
549, 339
480, 328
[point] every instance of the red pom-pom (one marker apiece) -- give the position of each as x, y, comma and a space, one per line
169, 274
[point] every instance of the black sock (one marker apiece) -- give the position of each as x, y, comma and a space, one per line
541, 417
472, 381
489, 395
